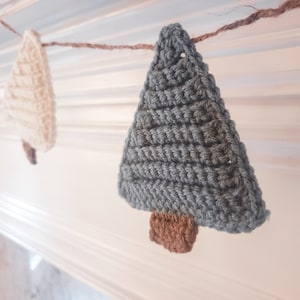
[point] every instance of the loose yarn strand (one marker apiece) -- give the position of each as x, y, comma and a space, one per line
100, 46
259, 14
7, 26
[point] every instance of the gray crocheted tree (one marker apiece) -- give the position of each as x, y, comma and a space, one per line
183, 159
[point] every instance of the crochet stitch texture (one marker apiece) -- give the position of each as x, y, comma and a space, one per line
29, 101
183, 154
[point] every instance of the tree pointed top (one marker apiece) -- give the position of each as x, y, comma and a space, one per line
173, 43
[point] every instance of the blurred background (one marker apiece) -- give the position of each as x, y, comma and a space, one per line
67, 210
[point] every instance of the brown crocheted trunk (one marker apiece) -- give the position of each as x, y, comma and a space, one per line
30, 152
175, 233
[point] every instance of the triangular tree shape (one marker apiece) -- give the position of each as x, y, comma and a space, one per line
29, 99
183, 159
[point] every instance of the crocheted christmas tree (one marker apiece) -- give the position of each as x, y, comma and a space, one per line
29, 101
183, 159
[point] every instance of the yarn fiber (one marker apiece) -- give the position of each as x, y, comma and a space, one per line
183, 154
29, 101
175, 233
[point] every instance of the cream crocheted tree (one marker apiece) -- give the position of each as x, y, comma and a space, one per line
29, 100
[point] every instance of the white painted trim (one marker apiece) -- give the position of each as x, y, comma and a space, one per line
11, 7
112, 263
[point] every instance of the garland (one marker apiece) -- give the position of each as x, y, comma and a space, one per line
29, 99
259, 14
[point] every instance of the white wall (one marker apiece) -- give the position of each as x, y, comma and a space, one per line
67, 207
